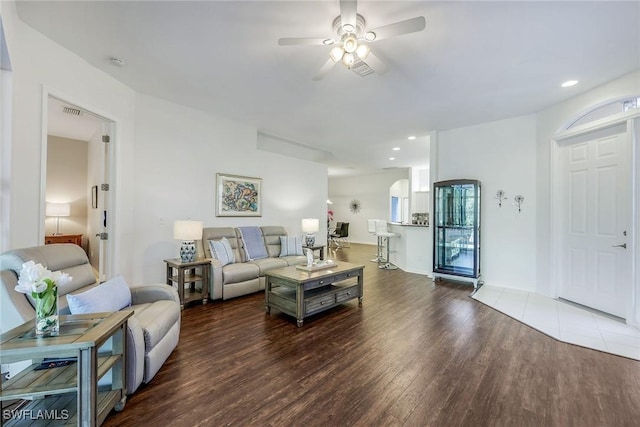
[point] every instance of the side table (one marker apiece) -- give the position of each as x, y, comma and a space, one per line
89, 347
316, 248
63, 238
181, 273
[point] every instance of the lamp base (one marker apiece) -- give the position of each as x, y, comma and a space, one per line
309, 240
188, 251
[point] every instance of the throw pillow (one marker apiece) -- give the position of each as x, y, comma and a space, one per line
221, 250
112, 295
290, 245
253, 243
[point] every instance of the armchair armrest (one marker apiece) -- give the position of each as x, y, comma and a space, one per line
141, 294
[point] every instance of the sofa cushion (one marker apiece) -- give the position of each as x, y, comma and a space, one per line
252, 242
112, 295
217, 233
266, 264
155, 320
271, 234
239, 272
221, 250
290, 245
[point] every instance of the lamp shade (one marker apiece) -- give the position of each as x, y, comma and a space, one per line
187, 230
58, 209
310, 225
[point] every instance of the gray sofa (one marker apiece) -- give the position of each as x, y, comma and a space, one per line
152, 331
243, 276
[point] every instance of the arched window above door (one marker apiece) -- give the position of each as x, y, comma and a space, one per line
607, 109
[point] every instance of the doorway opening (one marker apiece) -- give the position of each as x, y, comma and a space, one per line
75, 184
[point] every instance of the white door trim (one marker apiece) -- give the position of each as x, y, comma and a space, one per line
628, 118
113, 123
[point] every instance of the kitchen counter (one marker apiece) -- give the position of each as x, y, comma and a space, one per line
411, 247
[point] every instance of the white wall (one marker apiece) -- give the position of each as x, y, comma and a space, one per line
373, 193
166, 158
38, 64
502, 155
178, 153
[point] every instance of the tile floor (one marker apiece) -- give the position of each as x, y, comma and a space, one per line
564, 321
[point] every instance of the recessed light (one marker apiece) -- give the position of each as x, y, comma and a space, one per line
569, 83
392, 158
396, 148
411, 138
327, 42
370, 36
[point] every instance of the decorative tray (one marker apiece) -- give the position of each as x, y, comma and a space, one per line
319, 265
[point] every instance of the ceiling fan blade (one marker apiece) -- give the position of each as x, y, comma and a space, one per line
324, 70
376, 63
403, 27
292, 41
348, 12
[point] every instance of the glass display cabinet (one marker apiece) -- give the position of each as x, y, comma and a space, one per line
456, 230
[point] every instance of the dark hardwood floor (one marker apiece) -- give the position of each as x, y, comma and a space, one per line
414, 354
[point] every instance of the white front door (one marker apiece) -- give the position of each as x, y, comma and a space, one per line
595, 205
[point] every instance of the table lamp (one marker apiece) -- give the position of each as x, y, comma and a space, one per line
310, 226
187, 231
57, 210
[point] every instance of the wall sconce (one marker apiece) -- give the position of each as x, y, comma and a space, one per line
57, 210
187, 231
518, 200
310, 226
501, 195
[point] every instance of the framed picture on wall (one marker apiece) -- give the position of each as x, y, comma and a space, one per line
238, 195
94, 197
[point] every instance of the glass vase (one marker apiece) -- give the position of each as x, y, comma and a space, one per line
47, 323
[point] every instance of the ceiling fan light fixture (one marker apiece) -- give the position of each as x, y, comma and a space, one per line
336, 54
363, 51
348, 59
348, 28
350, 44
370, 36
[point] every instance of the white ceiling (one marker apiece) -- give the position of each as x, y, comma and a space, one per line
475, 62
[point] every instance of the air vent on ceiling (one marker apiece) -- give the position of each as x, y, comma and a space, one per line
361, 68
72, 111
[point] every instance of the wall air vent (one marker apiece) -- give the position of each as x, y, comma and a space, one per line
72, 111
361, 68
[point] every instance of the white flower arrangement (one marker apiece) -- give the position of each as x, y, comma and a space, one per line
37, 280
43, 286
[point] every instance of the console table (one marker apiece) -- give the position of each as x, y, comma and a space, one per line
68, 394
63, 238
302, 293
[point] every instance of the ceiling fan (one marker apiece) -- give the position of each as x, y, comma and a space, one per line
351, 42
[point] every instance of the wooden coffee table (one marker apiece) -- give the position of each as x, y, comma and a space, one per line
302, 293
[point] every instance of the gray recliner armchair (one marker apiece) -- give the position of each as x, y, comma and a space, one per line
152, 332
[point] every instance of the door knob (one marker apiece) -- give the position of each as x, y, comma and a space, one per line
624, 246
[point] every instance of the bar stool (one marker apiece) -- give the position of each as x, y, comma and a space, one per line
371, 228
383, 234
